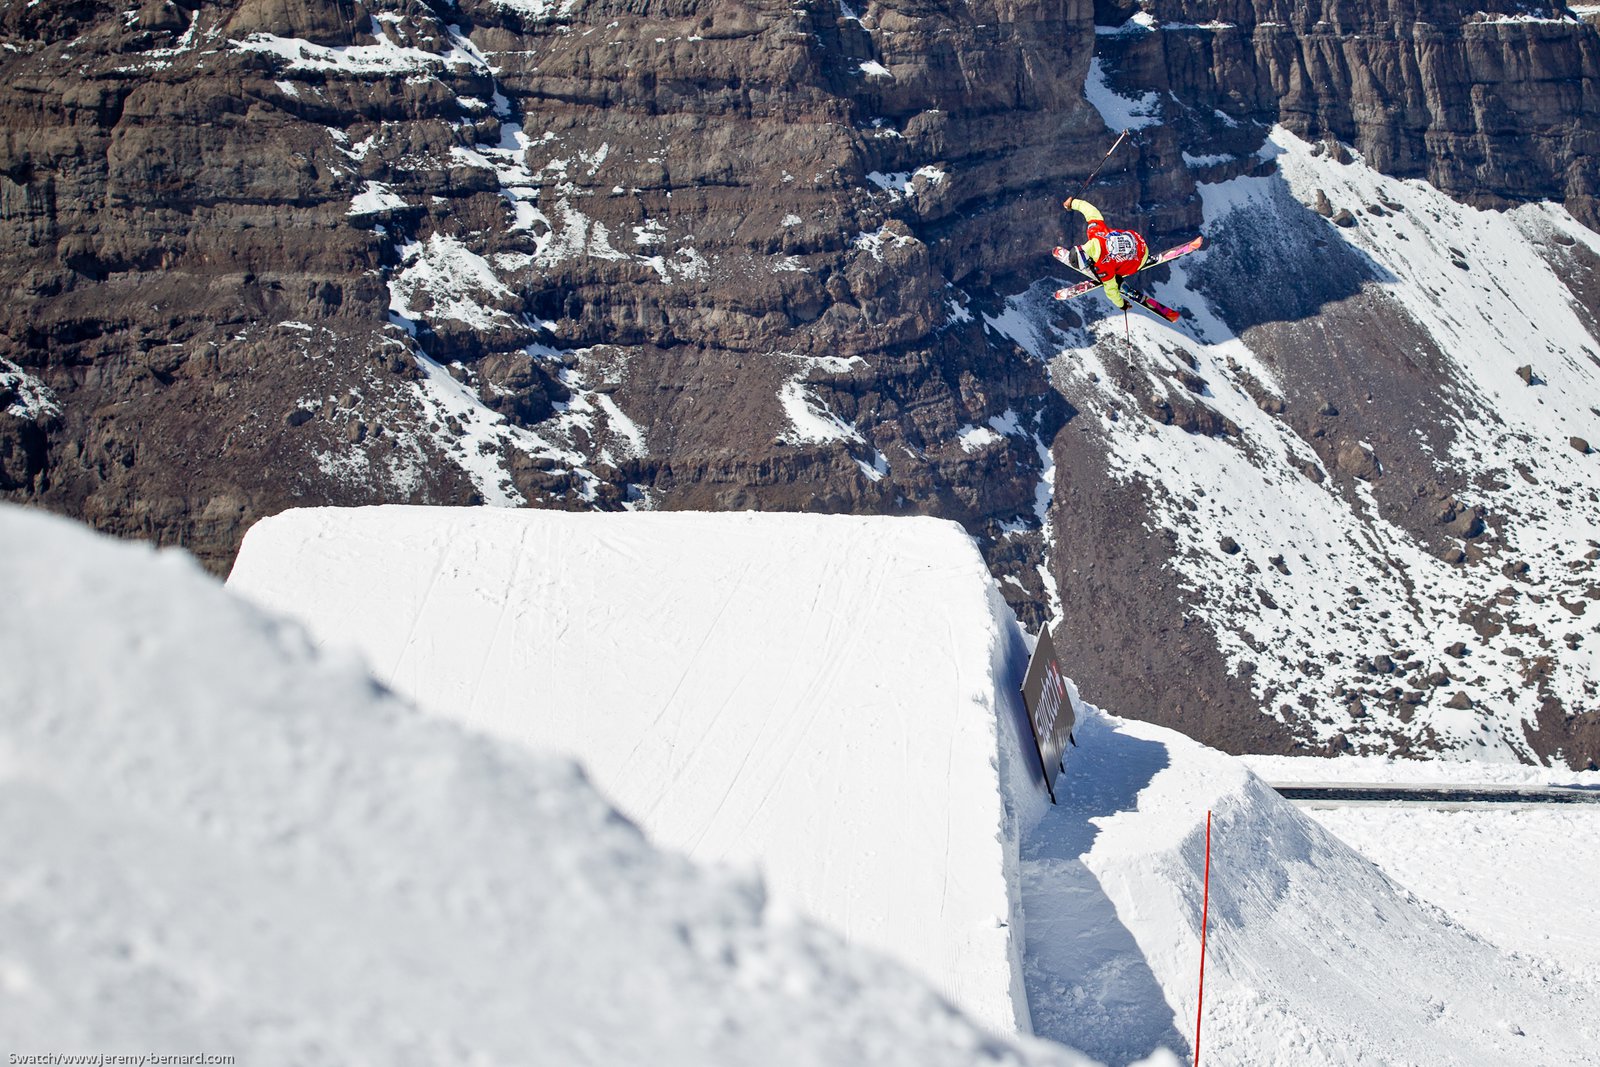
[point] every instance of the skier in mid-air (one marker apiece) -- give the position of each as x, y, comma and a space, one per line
1108, 254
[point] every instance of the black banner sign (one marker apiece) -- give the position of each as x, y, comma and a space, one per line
1044, 691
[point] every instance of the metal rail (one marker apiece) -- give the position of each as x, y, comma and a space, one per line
1447, 796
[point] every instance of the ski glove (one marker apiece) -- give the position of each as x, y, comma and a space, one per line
1067, 203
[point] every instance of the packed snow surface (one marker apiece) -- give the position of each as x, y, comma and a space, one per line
220, 840
1521, 876
830, 698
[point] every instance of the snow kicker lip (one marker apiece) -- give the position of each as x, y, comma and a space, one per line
1446, 795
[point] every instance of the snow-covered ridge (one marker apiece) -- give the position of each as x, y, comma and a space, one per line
220, 840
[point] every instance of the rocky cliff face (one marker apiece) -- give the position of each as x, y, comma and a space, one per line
755, 255
1395, 389
200, 325
235, 226
1491, 102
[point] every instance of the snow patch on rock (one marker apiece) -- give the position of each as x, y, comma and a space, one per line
1119, 110
458, 283
29, 397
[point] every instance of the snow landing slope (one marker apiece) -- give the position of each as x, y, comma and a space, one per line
218, 840
832, 698
1314, 956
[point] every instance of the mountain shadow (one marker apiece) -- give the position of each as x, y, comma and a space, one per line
1276, 260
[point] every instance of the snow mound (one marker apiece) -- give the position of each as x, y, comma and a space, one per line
831, 698
1508, 873
1314, 955
220, 841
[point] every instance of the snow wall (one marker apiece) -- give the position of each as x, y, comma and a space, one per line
831, 699
221, 841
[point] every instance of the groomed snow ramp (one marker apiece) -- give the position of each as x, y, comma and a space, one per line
829, 698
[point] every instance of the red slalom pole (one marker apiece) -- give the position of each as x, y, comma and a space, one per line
1205, 908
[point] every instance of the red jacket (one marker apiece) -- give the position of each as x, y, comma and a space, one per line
1114, 253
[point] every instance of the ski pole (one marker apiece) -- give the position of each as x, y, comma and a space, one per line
1205, 908
1084, 187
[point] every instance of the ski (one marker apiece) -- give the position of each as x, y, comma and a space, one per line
1076, 290
1064, 256
1151, 304
1173, 253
